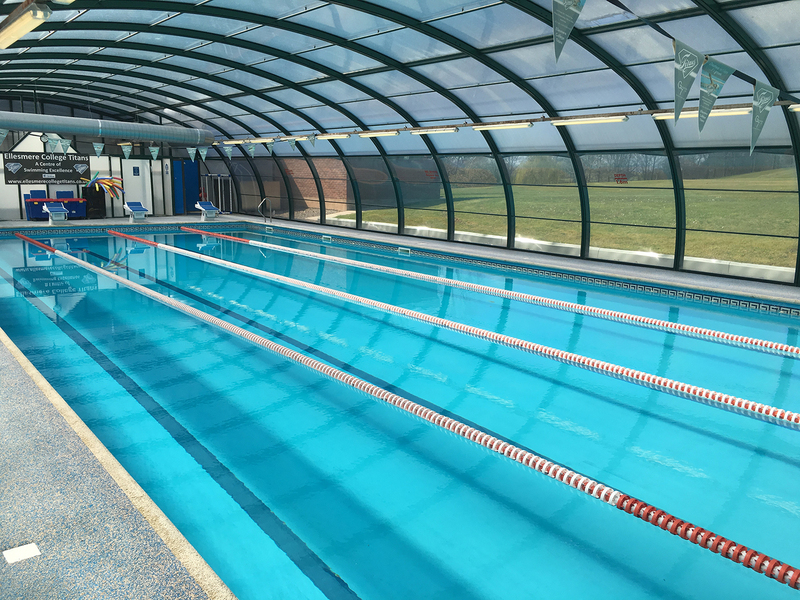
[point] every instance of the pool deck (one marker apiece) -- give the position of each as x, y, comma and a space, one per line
99, 534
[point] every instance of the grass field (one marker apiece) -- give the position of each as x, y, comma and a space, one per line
752, 203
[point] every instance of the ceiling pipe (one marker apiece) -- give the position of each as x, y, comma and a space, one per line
132, 132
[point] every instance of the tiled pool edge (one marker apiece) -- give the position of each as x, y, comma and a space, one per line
182, 550
629, 283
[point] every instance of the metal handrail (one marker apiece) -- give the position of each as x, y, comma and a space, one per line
262, 212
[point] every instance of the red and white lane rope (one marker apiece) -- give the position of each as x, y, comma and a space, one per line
611, 315
759, 562
756, 410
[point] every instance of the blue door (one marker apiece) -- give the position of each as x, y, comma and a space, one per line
185, 185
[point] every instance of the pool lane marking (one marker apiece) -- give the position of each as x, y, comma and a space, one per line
763, 412
611, 315
751, 559
307, 561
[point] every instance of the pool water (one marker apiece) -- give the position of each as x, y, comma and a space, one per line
292, 485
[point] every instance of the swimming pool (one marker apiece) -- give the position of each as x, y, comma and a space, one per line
291, 484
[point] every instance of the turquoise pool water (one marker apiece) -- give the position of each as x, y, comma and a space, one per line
292, 485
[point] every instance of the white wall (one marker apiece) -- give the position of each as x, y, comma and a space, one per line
137, 187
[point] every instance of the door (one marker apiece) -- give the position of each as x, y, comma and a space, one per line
185, 185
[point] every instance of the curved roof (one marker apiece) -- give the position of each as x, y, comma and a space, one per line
248, 68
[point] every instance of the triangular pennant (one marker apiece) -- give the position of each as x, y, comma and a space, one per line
565, 14
98, 148
688, 62
269, 146
126, 150
65, 144
51, 145
154, 151
764, 97
251, 149
313, 140
192, 153
293, 144
3, 134
712, 78
203, 150
228, 151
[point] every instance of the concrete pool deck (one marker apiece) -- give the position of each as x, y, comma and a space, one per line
99, 534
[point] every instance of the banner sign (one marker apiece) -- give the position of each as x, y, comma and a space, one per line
764, 97
98, 148
687, 67
712, 78
61, 279
38, 167
565, 14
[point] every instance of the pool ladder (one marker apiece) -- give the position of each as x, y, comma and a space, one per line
261, 212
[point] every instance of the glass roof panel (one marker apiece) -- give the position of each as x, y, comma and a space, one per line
328, 117
288, 41
500, 99
291, 122
540, 60
171, 41
139, 55
156, 72
59, 16
581, 90
207, 24
199, 111
429, 106
184, 93
230, 52
770, 24
786, 61
247, 79
342, 59
293, 98
702, 31
542, 137
144, 17
281, 9
636, 133
337, 91
372, 112
649, 8
112, 35
342, 21
460, 72
406, 45
403, 144
213, 87
257, 104
288, 70
87, 64
355, 145
499, 24
225, 108
231, 127
657, 78
196, 64
390, 83
465, 139
425, 9
318, 148
635, 44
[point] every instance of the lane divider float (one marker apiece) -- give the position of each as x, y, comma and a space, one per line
763, 412
611, 315
751, 559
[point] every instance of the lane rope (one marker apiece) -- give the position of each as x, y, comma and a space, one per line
610, 315
763, 412
757, 561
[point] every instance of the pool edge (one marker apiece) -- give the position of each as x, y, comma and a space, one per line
184, 552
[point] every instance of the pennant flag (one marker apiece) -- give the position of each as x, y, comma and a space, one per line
269, 146
565, 14
98, 148
228, 151
712, 78
3, 134
687, 67
154, 151
65, 144
203, 150
764, 97
126, 150
313, 140
293, 144
251, 149
51, 145
192, 153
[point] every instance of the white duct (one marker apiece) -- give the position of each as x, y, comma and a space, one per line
132, 132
